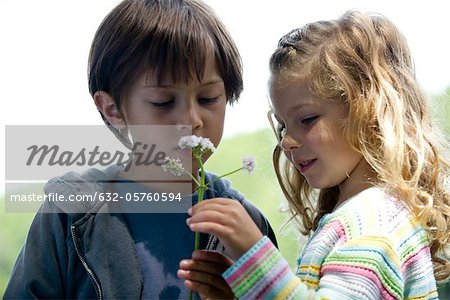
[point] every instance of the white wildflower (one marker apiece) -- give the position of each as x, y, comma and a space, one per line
189, 141
207, 145
173, 165
248, 163
197, 143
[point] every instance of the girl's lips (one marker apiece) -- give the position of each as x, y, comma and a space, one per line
305, 165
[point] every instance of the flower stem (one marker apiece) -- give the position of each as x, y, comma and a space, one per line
193, 178
201, 190
217, 178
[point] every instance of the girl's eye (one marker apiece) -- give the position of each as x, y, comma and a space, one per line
309, 120
207, 101
165, 104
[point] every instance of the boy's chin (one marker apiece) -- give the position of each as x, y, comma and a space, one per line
195, 164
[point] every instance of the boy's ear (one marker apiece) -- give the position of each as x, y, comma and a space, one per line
108, 108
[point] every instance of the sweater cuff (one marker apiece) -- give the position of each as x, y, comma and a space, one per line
255, 268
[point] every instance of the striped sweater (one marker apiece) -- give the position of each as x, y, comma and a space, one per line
371, 247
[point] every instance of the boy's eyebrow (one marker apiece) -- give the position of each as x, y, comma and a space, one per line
212, 82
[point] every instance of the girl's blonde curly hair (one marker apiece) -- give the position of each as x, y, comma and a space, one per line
364, 61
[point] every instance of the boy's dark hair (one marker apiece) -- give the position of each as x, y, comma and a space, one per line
165, 37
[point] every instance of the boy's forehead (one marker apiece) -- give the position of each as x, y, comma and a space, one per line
182, 75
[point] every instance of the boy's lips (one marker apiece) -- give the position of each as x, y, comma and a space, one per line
184, 152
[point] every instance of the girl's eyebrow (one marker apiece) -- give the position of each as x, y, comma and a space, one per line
294, 109
298, 107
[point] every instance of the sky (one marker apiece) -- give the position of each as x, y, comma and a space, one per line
45, 45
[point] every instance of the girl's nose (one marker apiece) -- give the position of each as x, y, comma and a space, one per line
289, 142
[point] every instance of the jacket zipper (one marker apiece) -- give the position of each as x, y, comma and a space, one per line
98, 289
209, 241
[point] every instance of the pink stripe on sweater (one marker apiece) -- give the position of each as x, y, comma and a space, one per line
249, 263
363, 272
338, 227
268, 288
425, 251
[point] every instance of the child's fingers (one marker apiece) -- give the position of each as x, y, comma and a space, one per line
225, 214
210, 227
215, 203
209, 286
212, 256
205, 267
211, 205
213, 280
229, 221
212, 216
204, 274
207, 291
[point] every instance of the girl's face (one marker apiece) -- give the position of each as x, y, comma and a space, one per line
312, 136
198, 104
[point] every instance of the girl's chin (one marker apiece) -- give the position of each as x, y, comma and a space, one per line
315, 183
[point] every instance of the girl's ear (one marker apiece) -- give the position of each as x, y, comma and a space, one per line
105, 104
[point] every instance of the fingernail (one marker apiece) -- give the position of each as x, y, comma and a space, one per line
188, 221
184, 262
189, 211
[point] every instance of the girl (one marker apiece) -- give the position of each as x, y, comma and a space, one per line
364, 173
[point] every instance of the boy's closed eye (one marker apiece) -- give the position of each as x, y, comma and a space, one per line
171, 103
163, 103
208, 100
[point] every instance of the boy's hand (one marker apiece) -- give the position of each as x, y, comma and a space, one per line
227, 220
203, 274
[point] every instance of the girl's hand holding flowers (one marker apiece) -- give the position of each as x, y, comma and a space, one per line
229, 221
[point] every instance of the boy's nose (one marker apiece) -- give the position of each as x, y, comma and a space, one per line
192, 116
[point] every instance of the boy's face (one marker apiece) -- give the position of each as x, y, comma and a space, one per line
199, 104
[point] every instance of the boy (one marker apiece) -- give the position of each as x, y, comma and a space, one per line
152, 62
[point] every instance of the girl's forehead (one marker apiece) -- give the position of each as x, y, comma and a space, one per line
291, 88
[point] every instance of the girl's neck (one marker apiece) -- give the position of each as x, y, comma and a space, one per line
362, 177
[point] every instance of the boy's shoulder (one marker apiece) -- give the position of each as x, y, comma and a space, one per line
221, 188
88, 183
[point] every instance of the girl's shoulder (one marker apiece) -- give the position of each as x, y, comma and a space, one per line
377, 213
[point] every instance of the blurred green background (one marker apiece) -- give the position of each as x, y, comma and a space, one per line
260, 187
